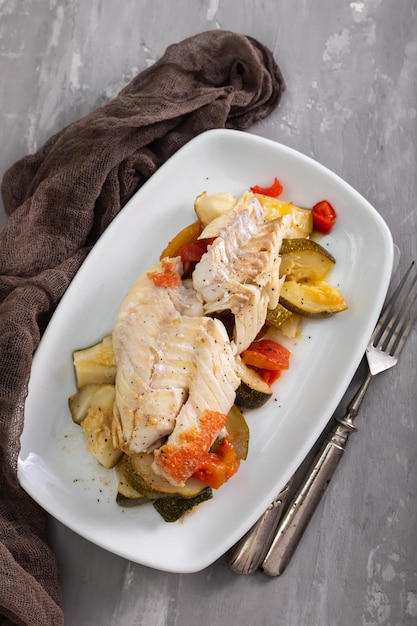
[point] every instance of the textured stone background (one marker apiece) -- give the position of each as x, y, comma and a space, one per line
350, 104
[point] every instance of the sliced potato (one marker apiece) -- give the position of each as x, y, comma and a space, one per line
312, 298
95, 365
303, 259
208, 206
97, 427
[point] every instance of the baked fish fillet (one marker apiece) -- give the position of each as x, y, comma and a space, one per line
240, 270
173, 365
177, 369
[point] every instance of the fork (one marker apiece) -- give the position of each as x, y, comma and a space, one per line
382, 352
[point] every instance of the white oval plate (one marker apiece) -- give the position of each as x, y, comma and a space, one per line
54, 466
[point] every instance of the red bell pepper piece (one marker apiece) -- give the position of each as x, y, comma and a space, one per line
193, 251
266, 354
324, 217
218, 466
273, 190
269, 376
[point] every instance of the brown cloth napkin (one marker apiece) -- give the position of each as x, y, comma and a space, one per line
58, 203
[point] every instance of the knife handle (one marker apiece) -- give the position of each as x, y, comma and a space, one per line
305, 502
311, 491
249, 552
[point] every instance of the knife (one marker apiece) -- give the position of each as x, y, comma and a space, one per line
250, 551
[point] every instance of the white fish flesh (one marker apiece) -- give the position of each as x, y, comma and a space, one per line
240, 270
173, 364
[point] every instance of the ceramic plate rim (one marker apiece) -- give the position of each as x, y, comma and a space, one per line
48, 462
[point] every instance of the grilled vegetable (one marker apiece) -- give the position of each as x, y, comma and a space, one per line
304, 259
274, 190
324, 216
302, 219
139, 473
80, 402
250, 398
97, 427
128, 503
267, 354
251, 378
193, 251
276, 317
312, 298
291, 327
302, 222
238, 432
209, 206
218, 466
127, 496
185, 236
95, 364
253, 391
172, 508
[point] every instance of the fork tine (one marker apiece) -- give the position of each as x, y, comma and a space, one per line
398, 325
388, 317
402, 338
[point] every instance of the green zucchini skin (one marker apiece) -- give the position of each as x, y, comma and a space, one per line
248, 398
312, 298
276, 317
238, 431
128, 503
305, 259
173, 508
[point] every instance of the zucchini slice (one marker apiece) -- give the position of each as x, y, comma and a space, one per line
128, 502
138, 471
97, 427
127, 496
312, 298
95, 364
249, 398
276, 317
251, 378
80, 402
253, 391
238, 431
292, 326
174, 508
304, 259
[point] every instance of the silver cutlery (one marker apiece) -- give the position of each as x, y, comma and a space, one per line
382, 352
248, 554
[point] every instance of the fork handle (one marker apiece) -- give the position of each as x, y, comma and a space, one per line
312, 489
